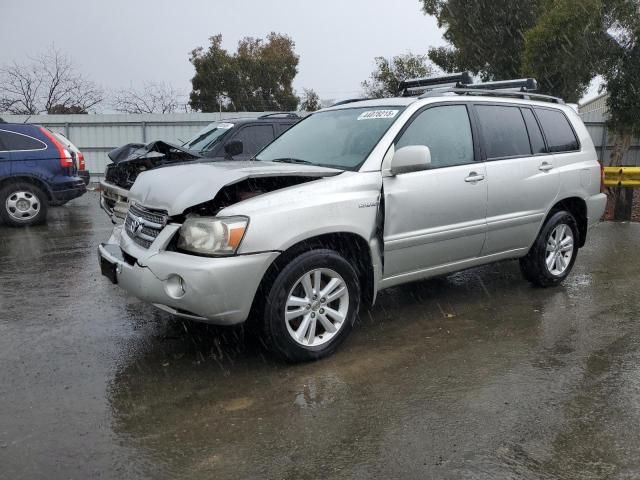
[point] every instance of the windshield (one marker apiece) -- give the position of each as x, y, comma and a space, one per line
336, 138
208, 137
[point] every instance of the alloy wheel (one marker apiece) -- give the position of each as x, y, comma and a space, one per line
559, 251
317, 306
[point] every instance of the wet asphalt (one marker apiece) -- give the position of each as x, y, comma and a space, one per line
472, 376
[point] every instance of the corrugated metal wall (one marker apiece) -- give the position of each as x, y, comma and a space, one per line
594, 120
96, 135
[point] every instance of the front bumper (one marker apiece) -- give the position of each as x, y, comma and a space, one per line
114, 200
215, 290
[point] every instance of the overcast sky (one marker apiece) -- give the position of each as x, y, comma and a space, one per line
121, 43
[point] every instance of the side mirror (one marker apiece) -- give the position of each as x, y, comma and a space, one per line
233, 148
413, 158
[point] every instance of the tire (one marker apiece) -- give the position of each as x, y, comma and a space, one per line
547, 264
23, 204
288, 293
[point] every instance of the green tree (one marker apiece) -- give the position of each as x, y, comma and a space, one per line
385, 79
484, 36
566, 48
559, 42
257, 77
310, 101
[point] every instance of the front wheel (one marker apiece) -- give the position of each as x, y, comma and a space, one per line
311, 306
554, 252
22, 204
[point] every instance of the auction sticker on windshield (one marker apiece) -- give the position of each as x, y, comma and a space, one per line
224, 126
377, 114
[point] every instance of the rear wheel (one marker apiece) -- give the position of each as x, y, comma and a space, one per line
22, 204
554, 252
311, 306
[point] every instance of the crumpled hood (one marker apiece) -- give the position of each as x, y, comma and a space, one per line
176, 188
150, 151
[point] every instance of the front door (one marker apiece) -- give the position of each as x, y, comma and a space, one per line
436, 217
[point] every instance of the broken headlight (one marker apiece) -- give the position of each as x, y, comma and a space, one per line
212, 235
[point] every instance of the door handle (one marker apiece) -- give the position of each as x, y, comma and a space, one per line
545, 167
474, 177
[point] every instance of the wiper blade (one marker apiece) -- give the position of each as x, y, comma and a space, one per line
291, 160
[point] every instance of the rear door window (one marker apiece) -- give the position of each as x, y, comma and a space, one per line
535, 135
557, 129
503, 131
18, 142
254, 138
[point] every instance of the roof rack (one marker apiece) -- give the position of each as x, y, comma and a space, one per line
495, 93
416, 86
280, 114
462, 84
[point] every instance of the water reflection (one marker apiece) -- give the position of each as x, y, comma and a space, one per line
235, 411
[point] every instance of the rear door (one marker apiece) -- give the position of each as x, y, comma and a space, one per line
522, 180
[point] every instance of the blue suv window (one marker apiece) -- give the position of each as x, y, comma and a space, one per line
18, 142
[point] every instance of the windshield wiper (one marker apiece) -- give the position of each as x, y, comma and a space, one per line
291, 160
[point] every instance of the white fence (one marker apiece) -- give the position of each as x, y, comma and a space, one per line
96, 135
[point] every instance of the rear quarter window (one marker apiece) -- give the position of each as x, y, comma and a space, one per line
18, 142
557, 129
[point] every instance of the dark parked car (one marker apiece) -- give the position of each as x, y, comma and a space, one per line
37, 170
231, 139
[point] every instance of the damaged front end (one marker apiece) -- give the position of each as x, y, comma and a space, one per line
128, 162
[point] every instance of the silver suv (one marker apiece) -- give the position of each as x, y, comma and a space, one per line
357, 198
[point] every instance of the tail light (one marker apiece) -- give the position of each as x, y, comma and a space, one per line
66, 160
81, 164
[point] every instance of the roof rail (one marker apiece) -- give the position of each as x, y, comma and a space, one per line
350, 100
282, 114
495, 93
416, 86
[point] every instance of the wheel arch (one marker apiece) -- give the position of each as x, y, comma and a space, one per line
578, 208
27, 179
353, 247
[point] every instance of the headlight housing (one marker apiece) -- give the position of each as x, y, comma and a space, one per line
212, 235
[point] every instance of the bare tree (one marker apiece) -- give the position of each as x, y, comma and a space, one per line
153, 98
46, 83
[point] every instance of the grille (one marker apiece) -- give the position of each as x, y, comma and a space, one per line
144, 225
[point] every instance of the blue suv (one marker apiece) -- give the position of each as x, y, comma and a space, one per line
38, 169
